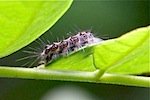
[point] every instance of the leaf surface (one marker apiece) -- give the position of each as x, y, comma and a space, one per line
22, 22
128, 54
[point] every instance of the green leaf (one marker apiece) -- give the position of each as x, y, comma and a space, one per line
128, 54
22, 22
78, 61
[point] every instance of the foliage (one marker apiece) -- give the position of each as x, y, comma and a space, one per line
115, 61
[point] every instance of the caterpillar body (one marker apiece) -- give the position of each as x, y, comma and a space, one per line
64, 47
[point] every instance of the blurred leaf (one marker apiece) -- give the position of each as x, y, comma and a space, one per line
22, 22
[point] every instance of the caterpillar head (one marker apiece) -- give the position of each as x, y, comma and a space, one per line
86, 37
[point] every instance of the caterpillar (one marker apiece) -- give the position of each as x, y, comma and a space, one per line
66, 46
52, 51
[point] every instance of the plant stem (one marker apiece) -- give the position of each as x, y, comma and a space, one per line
35, 73
126, 80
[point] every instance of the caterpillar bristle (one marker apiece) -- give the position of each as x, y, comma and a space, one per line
31, 52
42, 42
31, 65
27, 57
34, 49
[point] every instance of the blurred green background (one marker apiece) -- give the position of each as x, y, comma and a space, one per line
108, 19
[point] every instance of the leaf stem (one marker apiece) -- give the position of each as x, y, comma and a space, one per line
35, 73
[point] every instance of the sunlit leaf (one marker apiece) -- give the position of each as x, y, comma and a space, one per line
128, 54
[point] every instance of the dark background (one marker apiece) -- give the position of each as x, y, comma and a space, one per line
108, 19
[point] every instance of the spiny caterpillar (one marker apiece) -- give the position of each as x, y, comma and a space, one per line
64, 47
61, 48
